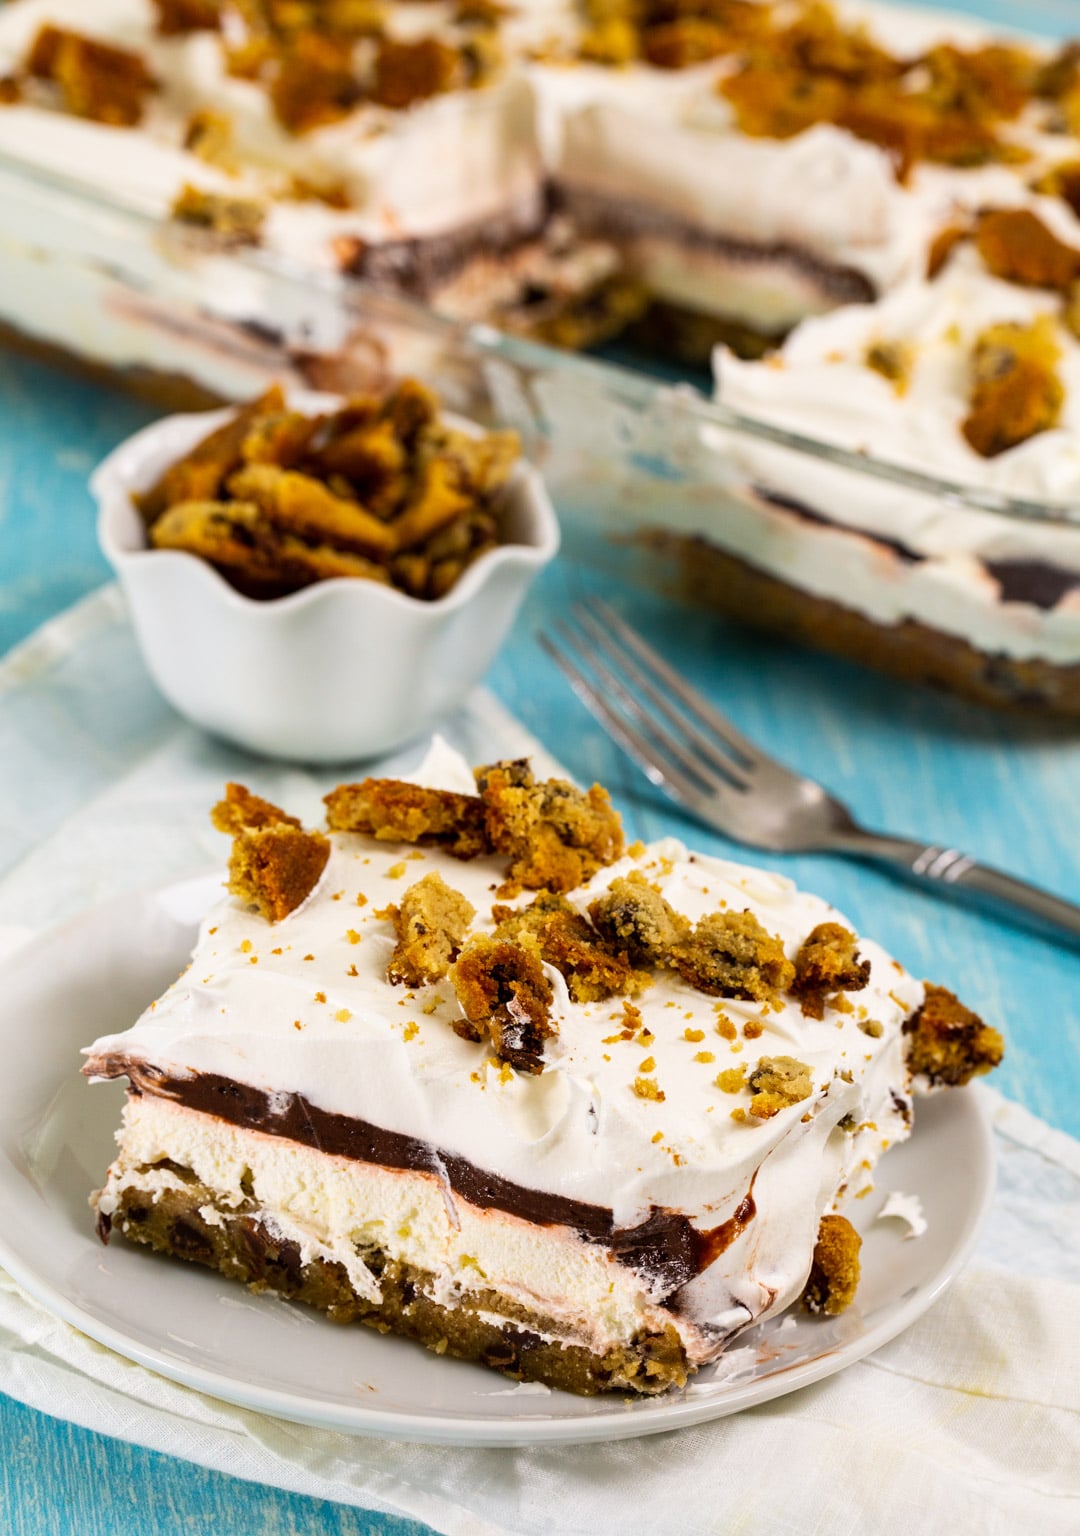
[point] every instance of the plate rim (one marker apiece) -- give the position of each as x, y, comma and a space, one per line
530, 1427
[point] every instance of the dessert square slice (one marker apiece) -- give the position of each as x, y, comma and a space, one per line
584, 1135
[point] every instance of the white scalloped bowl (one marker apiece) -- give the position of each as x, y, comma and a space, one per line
344, 669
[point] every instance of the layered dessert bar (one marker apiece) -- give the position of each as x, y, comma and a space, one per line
760, 163
467, 1069
741, 164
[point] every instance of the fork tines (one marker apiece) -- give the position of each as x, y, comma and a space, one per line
681, 742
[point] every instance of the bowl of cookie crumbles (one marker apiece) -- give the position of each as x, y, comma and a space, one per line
322, 578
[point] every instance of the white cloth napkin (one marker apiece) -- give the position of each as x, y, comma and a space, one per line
970, 1421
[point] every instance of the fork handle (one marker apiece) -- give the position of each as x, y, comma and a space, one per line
949, 870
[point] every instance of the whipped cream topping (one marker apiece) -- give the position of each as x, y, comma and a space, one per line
304, 1007
907, 1209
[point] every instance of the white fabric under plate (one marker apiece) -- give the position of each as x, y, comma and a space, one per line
970, 1421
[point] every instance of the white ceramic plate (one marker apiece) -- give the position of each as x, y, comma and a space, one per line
96, 974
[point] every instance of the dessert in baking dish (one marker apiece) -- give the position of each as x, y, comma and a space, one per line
465, 1068
833, 191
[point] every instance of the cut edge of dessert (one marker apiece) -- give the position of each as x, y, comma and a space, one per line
382, 488
260, 1181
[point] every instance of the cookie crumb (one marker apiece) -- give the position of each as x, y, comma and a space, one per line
948, 1043
834, 1271
777, 1082
504, 993
646, 1088
827, 963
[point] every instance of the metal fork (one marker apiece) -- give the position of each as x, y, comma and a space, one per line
687, 748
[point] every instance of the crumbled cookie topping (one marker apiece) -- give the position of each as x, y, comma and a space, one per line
304, 507
947, 1043
942, 246
730, 954
407, 72
200, 474
777, 1082
381, 489
504, 993
630, 931
648, 1088
834, 1272
311, 81
304, 54
668, 35
631, 916
1058, 78
828, 962
1016, 246
593, 969
234, 221
396, 811
732, 1079
1016, 390
245, 545
210, 136
93, 79
431, 923
274, 436
555, 836
274, 864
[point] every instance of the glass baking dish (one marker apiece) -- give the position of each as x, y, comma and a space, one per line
652, 478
